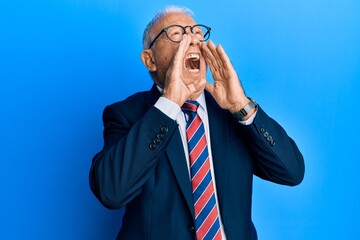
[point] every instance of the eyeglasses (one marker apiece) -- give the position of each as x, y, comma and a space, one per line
176, 32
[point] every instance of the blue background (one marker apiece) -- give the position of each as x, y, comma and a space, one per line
62, 61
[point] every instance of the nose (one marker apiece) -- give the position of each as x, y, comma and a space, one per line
194, 40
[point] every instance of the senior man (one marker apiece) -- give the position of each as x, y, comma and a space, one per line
181, 157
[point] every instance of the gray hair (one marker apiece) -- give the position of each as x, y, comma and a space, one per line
147, 36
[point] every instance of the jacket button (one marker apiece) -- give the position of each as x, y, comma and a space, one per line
152, 146
262, 130
164, 129
159, 135
191, 228
156, 141
269, 138
266, 134
272, 143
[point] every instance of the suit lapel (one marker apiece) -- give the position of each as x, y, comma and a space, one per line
219, 136
219, 139
176, 156
177, 160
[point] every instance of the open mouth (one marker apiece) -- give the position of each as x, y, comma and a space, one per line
192, 62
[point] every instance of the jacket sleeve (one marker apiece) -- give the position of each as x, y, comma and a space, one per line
129, 155
277, 158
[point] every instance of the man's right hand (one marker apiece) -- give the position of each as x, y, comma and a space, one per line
180, 84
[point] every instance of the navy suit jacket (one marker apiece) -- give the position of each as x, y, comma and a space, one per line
142, 166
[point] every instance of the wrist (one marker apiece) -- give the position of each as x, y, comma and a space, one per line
172, 97
239, 104
246, 111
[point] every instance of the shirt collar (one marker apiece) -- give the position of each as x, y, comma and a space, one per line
200, 99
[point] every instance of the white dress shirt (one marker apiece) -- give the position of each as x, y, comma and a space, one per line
173, 110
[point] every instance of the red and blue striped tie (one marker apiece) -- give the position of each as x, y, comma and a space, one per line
207, 222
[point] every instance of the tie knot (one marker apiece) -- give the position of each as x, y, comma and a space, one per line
190, 105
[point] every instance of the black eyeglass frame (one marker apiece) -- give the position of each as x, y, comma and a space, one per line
206, 35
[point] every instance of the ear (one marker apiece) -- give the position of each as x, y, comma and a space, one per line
147, 57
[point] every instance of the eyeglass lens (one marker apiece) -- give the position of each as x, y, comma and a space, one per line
175, 33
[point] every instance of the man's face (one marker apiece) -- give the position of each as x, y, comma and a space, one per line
164, 49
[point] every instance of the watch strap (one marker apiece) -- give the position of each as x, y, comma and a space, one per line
243, 112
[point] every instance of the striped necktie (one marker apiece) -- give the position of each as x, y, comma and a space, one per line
207, 222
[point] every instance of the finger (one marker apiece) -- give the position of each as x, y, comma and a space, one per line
199, 84
224, 57
210, 88
209, 58
183, 47
215, 53
203, 67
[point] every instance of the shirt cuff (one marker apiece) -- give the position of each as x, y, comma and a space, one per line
250, 120
168, 107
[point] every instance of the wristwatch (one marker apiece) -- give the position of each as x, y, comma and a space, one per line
243, 112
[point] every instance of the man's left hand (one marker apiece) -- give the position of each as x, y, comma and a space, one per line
227, 89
